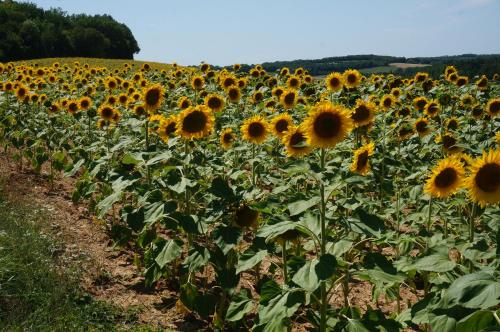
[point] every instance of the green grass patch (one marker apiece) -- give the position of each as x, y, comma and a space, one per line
36, 292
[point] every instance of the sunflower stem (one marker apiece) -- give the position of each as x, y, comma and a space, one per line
429, 218
283, 257
148, 175
253, 166
471, 223
323, 243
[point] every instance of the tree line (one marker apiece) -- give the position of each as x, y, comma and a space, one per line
29, 32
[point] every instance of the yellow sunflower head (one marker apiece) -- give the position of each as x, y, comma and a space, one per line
197, 82
234, 94
84, 103
295, 142
467, 101
293, 82
483, 184
153, 97
227, 138
195, 122
482, 83
167, 128
360, 161
432, 108
421, 77
387, 102
327, 124
334, 81
72, 105
363, 113
352, 78
419, 103
257, 97
139, 110
422, 127
396, 92
281, 123
215, 102
277, 92
449, 70
106, 112
446, 178
183, 102
255, 129
449, 143
493, 107
288, 98
461, 81
21, 92
452, 124
246, 217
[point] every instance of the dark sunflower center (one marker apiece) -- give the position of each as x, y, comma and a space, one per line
334, 82
246, 216
214, 102
123, 99
449, 141
296, 139
184, 104
197, 82
461, 81
171, 128
404, 111
421, 104
453, 125
495, 107
152, 96
21, 92
362, 160
361, 113
107, 112
258, 96
228, 138
446, 178
351, 78
73, 107
421, 126
281, 126
294, 82
488, 178
256, 129
194, 122
289, 98
84, 103
387, 102
233, 94
327, 125
477, 111
228, 82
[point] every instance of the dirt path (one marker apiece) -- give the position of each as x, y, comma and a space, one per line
110, 274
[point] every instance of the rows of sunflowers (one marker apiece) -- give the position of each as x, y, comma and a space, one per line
265, 199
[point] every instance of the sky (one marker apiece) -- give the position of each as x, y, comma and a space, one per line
255, 31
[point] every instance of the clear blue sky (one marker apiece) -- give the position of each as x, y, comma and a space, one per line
255, 31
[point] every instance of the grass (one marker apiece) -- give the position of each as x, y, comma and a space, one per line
36, 292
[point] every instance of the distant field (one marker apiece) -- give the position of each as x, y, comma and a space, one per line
110, 63
408, 65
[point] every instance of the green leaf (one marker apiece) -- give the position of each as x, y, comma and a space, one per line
433, 263
476, 291
298, 207
106, 204
171, 251
282, 306
132, 159
269, 232
443, 323
367, 223
221, 189
249, 259
239, 307
269, 290
354, 325
309, 276
477, 322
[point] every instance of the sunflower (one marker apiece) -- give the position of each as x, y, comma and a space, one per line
153, 97
363, 113
483, 184
280, 124
72, 106
106, 112
21, 92
183, 102
497, 137
334, 81
227, 138
405, 131
197, 82
422, 127
432, 108
403, 111
352, 78
284, 71
387, 102
396, 92
234, 94
84, 103
449, 70
461, 81
228, 81
167, 128
419, 103
277, 92
123, 99
493, 107
446, 178
360, 163
195, 122
111, 83
477, 111
257, 97
246, 217
449, 143
288, 98
295, 142
215, 102
482, 83
139, 110
421, 77
452, 123
467, 101
255, 129
293, 82
327, 124
453, 77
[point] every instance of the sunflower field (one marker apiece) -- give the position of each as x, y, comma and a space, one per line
266, 200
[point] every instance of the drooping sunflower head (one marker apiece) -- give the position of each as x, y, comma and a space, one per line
197, 82
360, 161
72, 106
449, 143
195, 122
419, 103
106, 112
140, 111
84, 103
167, 128
422, 127
404, 111
280, 124
421, 77
288, 98
277, 92
432, 108
352, 78
446, 178
363, 113
483, 184
334, 81
405, 130
327, 124
183, 102
449, 70
452, 124
453, 77
477, 111
255, 129
227, 138
284, 71
246, 217
482, 83
153, 97
387, 102
215, 102
295, 142
234, 94
493, 107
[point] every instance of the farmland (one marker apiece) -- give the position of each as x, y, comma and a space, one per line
276, 201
